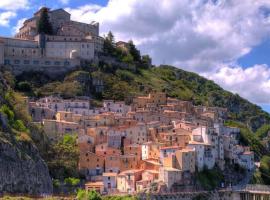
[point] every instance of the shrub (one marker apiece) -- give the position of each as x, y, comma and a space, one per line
72, 181
24, 86
8, 112
88, 195
19, 126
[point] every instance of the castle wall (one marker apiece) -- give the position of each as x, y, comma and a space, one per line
58, 49
51, 67
58, 18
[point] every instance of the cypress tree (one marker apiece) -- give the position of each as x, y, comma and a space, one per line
44, 25
109, 44
134, 51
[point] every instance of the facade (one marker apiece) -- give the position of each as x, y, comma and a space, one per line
170, 176
70, 44
160, 144
126, 180
109, 181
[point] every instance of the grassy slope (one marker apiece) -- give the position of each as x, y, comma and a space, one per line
120, 84
187, 86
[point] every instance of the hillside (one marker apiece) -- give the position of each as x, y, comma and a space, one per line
121, 84
19, 156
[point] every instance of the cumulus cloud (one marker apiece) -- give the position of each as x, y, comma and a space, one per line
252, 83
204, 36
18, 26
14, 4
5, 18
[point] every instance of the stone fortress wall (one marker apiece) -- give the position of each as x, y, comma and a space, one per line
70, 44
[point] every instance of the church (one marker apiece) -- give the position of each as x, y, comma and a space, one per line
69, 44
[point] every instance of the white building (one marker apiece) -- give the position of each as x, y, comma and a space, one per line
118, 107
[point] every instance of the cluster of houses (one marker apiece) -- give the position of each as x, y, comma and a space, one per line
154, 141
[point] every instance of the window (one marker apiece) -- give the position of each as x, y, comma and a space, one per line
47, 62
57, 63
26, 62
16, 61
66, 63
35, 62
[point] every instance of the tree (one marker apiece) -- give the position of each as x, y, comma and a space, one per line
110, 38
109, 44
44, 25
62, 158
134, 51
88, 195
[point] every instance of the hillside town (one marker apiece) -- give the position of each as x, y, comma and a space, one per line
148, 144
156, 140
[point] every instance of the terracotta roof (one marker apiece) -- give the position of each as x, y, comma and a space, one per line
131, 171
171, 169
199, 143
109, 174
170, 147
94, 183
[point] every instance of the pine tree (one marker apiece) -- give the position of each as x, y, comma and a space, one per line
134, 51
110, 38
109, 44
44, 25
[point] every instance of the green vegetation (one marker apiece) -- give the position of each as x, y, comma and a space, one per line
265, 169
93, 195
263, 131
248, 138
210, 179
253, 140
175, 82
88, 195
72, 181
62, 159
44, 25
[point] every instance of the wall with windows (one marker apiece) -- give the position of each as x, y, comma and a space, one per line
40, 62
62, 49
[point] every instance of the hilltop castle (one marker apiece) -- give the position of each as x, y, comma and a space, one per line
70, 44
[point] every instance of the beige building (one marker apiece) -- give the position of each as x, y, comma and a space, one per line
126, 180
169, 176
70, 43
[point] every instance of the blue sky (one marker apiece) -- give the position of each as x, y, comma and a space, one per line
223, 40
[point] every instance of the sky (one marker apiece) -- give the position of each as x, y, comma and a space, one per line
227, 41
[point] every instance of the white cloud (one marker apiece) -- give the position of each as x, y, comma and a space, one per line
18, 26
64, 2
14, 4
252, 83
204, 36
5, 18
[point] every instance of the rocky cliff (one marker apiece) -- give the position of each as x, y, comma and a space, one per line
21, 168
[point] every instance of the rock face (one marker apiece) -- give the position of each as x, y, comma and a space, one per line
22, 171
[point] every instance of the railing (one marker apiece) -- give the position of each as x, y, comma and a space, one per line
257, 188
